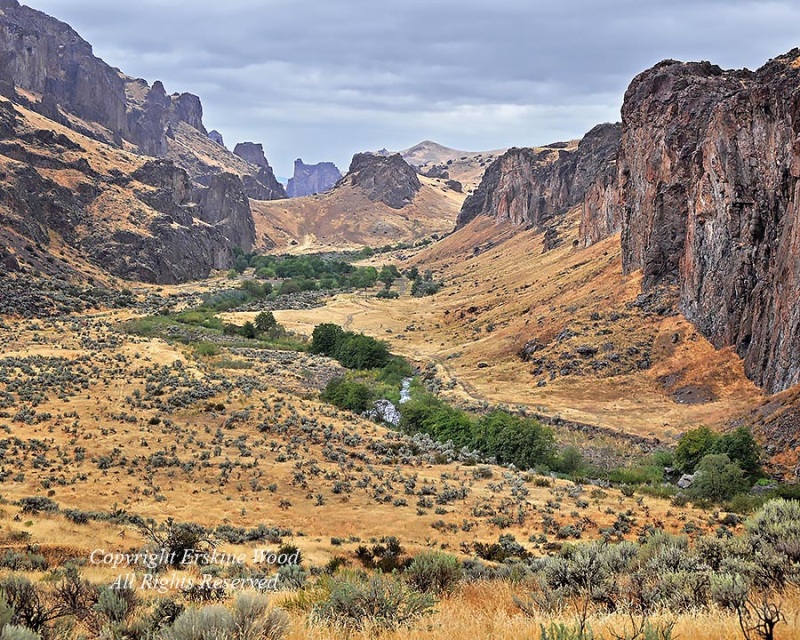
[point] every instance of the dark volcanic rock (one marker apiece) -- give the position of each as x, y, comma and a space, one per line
188, 108
387, 179
312, 178
263, 185
526, 186
46, 56
224, 205
709, 199
216, 136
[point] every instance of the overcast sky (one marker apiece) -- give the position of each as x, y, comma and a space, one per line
322, 79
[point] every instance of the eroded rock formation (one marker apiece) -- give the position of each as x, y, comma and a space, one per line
531, 186
263, 185
312, 178
387, 179
708, 198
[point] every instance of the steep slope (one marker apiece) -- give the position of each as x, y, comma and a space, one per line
380, 201
704, 188
709, 198
136, 217
47, 67
532, 186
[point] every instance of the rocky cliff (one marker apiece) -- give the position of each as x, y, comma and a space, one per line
186, 214
531, 186
312, 178
708, 199
703, 185
387, 179
138, 219
263, 185
59, 76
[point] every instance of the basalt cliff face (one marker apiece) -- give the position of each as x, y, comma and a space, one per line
136, 218
91, 149
708, 198
703, 186
531, 186
263, 185
309, 179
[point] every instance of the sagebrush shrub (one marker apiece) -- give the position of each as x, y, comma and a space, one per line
381, 601
434, 572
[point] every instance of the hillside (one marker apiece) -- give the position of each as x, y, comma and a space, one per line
437, 161
567, 335
375, 204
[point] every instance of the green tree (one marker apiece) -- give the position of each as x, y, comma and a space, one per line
387, 275
325, 338
512, 439
693, 446
345, 394
717, 478
249, 330
240, 263
266, 322
357, 351
412, 273
741, 447
364, 277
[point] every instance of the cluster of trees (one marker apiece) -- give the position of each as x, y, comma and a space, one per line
352, 350
724, 464
423, 284
263, 326
509, 438
308, 273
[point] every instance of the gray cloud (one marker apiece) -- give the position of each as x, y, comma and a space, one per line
322, 79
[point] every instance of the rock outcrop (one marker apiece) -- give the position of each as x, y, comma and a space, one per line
709, 199
312, 178
263, 185
46, 57
152, 225
531, 186
388, 179
216, 136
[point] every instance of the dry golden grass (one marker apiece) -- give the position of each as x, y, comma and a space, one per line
346, 219
511, 292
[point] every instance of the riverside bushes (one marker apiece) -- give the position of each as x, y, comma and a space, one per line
352, 350
509, 438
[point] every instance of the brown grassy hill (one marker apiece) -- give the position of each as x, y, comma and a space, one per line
466, 167
345, 218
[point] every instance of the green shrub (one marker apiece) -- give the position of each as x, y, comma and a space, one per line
352, 396
112, 606
253, 619
14, 632
777, 525
355, 601
357, 351
434, 572
206, 349
352, 350
692, 447
717, 478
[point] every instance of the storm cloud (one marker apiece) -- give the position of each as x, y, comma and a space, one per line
322, 79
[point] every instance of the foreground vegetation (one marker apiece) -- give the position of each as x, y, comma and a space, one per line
608, 589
